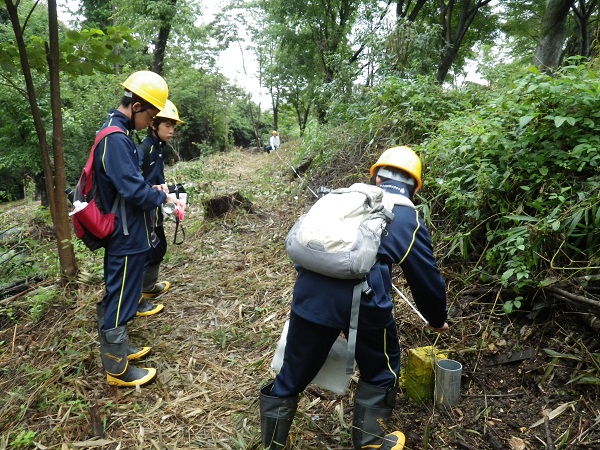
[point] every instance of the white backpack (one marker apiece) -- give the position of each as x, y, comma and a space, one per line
340, 235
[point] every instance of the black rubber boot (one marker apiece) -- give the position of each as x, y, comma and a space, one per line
151, 287
133, 352
113, 350
145, 308
276, 416
374, 405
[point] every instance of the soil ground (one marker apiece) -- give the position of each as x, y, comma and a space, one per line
529, 379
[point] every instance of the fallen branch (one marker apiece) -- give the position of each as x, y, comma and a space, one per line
574, 297
23, 288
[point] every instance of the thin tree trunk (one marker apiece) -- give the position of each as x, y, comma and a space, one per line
454, 36
58, 203
158, 60
58, 206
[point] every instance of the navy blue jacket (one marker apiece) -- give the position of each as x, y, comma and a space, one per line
327, 301
152, 164
116, 168
152, 159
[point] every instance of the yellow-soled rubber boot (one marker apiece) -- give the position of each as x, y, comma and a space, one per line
114, 344
145, 308
158, 289
392, 441
373, 406
151, 287
133, 352
132, 377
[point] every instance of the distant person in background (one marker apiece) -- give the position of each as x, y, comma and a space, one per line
274, 142
151, 152
116, 171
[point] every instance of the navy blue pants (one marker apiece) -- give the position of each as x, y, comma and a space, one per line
123, 288
308, 344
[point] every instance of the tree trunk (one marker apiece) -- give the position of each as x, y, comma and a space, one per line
553, 32
254, 122
56, 188
583, 18
404, 11
59, 216
160, 44
158, 60
453, 35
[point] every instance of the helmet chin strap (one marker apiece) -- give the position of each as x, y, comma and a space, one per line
132, 131
132, 121
131, 124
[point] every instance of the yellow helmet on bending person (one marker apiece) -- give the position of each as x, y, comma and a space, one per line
403, 158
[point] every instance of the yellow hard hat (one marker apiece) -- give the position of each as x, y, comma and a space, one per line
403, 158
170, 112
148, 85
274, 132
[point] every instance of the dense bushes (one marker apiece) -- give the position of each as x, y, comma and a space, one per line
518, 179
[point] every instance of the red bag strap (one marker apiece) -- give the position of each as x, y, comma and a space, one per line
88, 165
101, 135
105, 132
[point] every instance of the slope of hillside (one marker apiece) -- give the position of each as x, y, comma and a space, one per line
215, 340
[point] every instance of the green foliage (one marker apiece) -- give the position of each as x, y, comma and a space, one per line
511, 174
23, 440
89, 50
521, 20
518, 178
510, 305
15, 257
399, 111
24, 252
41, 300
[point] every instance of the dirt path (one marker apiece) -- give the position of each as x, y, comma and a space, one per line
230, 280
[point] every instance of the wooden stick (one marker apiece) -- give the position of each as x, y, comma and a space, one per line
549, 441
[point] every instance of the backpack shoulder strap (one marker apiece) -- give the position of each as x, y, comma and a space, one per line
398, 199
101, 135
105, 132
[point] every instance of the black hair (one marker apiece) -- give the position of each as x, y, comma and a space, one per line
130, 98
158, 120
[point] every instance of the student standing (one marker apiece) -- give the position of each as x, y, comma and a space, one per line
160, 133
116, 170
